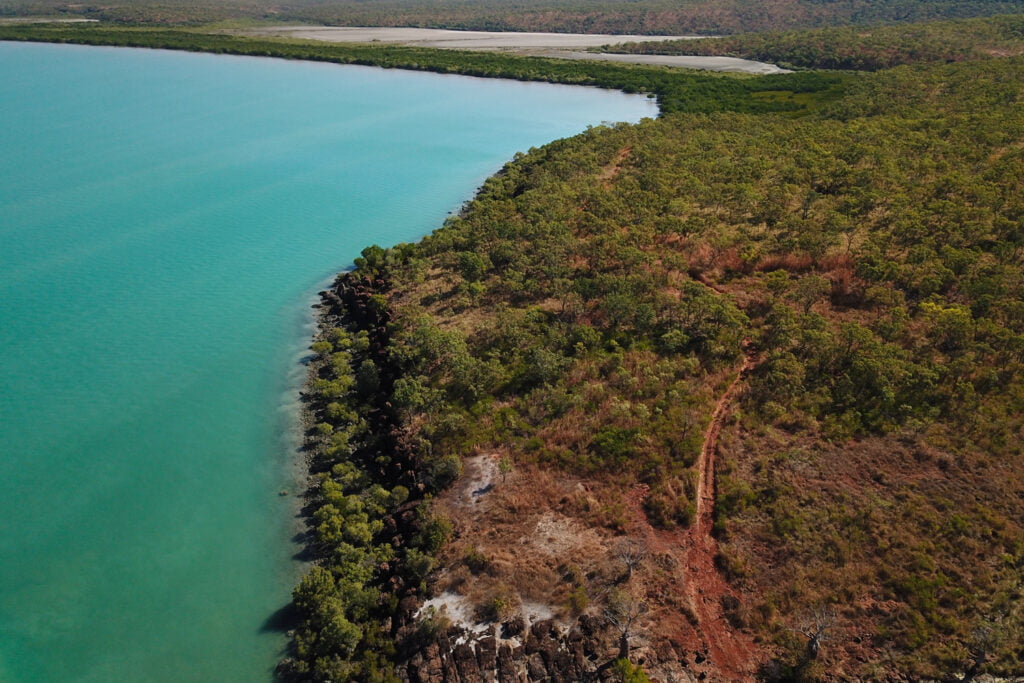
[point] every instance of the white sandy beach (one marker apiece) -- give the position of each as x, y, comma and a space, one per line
559, 45
47, 20
461, 40
685, 61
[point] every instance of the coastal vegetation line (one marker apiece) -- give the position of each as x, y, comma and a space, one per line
579, 318
676, 90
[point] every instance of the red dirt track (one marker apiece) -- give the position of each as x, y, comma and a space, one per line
729, 654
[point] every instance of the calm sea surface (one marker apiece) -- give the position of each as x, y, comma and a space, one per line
165, 221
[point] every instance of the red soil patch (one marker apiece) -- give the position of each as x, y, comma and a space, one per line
609, 172
728, 654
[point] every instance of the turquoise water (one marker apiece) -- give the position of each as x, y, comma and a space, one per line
165, 221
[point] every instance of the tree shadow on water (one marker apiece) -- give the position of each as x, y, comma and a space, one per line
281, 620
306, 552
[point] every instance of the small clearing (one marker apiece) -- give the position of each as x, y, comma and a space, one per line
609, 173
479, 476
455, 607
558, 536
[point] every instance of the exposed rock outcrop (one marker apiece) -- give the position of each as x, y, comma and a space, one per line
548, 651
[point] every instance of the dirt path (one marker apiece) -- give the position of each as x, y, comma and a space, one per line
733, 653
705, 503
727, 654
610, 171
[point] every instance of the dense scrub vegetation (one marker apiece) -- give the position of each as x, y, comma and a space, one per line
370, 532
584, 310
857, 48
659, 17
675, 89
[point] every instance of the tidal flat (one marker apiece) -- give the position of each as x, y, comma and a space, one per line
556, 45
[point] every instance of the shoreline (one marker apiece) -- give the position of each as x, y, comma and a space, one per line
298, 419
399, 577
698, 62
408, 630
674, 89
363, 505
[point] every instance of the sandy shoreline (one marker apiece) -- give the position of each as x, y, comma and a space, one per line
46, 20
684, 61
556, 45
460, 40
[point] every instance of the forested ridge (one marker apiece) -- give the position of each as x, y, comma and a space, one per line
577, 322
860, 48
657, 17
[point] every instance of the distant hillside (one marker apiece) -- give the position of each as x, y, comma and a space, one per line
598, 16
861, 48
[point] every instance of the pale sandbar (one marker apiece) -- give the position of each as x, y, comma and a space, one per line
558, 45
